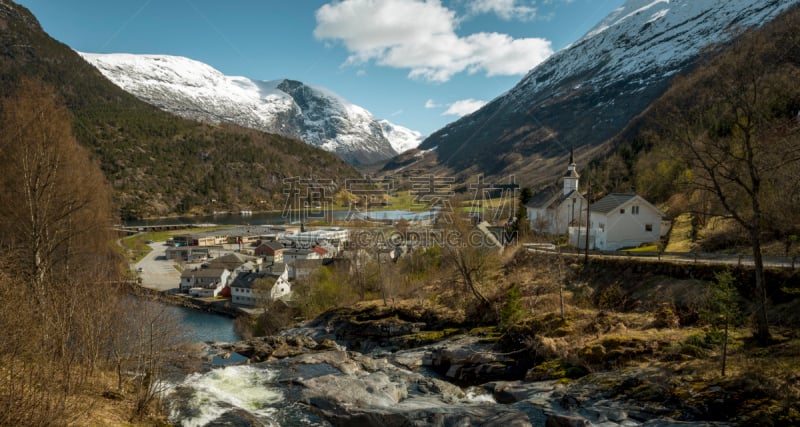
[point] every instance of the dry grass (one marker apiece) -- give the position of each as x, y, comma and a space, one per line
104, 411
680, 237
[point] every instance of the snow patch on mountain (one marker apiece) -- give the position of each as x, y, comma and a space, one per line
647, 38
197, 91
401, 138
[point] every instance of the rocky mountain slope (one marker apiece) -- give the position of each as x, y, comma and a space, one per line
586, 94
291, 108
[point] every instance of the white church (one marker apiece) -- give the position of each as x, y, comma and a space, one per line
554, 209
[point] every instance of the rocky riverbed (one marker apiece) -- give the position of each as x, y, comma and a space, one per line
404, 376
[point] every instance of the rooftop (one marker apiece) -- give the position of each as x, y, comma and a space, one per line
611, 202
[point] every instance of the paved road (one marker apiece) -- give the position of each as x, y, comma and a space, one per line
156, 271
689, 258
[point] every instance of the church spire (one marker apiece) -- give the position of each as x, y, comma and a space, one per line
572, 176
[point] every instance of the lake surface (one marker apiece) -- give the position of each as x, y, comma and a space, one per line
272, 218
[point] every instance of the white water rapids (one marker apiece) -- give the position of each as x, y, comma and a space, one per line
203, 398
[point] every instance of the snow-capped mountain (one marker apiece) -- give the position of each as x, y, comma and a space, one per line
197, 91
401, 138
648, 39
586, 93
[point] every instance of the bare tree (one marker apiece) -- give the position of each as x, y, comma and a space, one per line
55, 205
471, 254
59, 270
735, 128
145, 343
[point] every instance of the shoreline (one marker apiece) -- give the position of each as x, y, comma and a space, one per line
221, 307
252, 212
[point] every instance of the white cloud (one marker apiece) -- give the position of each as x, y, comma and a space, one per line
464, 107
420, 36
505, 9
431, 104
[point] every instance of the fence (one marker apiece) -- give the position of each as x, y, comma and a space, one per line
790, 262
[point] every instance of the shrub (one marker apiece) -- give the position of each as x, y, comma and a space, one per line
512, 312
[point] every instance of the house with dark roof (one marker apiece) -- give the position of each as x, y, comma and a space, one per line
237, 263
554, 209
272, 252
244, 290
204, 282
621, 220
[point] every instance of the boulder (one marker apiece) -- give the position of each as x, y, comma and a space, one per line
558, 420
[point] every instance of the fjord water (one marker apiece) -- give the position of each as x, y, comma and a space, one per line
274, 218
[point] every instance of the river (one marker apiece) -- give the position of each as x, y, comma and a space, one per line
203, 326
232, 395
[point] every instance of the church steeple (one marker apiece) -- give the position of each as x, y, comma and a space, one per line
572, 176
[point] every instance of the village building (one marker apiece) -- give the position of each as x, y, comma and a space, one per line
554, 209
190, 254
237, 263
271, 252
620, 220
244, 235
282, 287
335, 237
204, 282
322, 252
196, 239
292, 255
244, 290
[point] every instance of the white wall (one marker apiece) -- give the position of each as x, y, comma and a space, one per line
556, 221
626, 229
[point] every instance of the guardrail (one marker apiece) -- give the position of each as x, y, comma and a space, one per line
690, 257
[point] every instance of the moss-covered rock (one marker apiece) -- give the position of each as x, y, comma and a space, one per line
555, 370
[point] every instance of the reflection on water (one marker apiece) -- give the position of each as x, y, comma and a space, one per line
195, 325
202, 326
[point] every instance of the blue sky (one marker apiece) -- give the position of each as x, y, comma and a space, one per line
420, 64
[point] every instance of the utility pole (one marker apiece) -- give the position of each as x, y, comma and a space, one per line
578, 238
588, 217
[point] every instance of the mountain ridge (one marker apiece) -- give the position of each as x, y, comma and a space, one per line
158, 164
584, 95
315, 115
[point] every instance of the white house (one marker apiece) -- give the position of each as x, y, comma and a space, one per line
204, 282
282, 287
554, 209
619, 221
244, 291
292, 255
